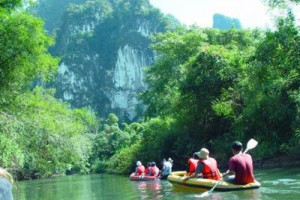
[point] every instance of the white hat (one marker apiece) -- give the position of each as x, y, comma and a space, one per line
203, 153
138, 163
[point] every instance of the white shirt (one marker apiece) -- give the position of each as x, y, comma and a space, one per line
5, 189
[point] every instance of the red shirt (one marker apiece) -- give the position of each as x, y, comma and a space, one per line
242, 165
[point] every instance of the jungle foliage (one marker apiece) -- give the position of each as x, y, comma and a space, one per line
207, 88
40, 135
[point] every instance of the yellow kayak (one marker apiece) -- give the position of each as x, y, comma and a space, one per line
176, 178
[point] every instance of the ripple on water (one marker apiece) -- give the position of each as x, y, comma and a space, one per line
286, 182
269, 190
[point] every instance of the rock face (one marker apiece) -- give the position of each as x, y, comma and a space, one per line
128, 79
223, 22
104, 50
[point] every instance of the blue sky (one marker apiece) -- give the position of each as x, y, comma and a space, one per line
251, 13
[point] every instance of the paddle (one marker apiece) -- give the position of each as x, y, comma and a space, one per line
250, 145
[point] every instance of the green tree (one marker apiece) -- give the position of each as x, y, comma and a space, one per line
193, 78
110, 138
10, 4
271, 87
112, 142
23, 54
40, 135
173, 49
281, 3
54, 136
10, 130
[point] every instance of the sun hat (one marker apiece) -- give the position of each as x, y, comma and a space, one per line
203, 153
138, 163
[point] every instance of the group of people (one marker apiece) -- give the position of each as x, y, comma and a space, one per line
240, 165
153, 170
204, 166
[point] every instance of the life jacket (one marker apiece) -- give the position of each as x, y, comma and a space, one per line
192, 165
147, 170
140, 170
154, 171
210, 170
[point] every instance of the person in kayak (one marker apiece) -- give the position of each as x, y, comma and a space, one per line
240, 165
192, 164
166, 168
154, 169
206, 166
148, 169
140, 169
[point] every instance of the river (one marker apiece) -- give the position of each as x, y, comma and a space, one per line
276, 184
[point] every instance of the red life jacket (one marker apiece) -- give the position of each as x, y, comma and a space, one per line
192, 165
154, 171
210, 170
147, 170
140, 170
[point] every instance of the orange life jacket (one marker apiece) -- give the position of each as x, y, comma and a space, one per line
210, 170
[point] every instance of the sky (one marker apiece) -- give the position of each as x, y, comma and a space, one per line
251, 13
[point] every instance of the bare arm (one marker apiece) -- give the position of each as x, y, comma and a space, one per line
228, 173
199, 169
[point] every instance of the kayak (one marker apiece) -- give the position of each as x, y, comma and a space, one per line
176, 178
134, 177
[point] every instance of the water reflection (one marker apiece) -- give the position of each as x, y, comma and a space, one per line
249, 194
150, 189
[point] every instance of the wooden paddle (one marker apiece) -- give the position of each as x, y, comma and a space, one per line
250, 145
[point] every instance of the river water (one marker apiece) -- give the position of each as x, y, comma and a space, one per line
276, 184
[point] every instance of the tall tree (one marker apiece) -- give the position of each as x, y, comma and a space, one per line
39, 134
271, 88
10, 4
23, 53
173, 50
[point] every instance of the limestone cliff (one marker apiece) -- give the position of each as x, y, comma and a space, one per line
104, 46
